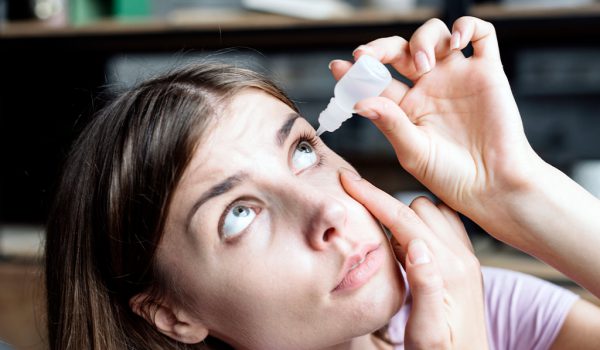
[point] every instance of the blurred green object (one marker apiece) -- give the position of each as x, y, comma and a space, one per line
85, 11
131, 8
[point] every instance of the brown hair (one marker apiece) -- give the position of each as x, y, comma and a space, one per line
112, 200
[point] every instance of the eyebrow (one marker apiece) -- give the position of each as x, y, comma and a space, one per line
286, 128
217, 190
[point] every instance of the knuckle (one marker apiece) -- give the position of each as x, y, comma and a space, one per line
466, 268
397, 39
491, 27
436, 21
427, 282
404, 213
421, 202
461, 21
390, 126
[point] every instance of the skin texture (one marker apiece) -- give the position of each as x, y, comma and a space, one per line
268, 287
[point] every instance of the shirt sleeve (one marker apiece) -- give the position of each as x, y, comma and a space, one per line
523, 312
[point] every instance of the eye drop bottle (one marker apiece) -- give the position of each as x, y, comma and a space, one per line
366, 78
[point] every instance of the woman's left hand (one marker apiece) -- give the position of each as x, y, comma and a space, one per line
444, 276
457, 129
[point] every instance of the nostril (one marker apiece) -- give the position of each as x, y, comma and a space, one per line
327, 234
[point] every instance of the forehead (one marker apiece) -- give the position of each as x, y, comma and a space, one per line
247, 126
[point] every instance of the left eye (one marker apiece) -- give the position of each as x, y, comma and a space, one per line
304, 156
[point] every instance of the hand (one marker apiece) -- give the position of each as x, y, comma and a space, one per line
458, 129
444, 276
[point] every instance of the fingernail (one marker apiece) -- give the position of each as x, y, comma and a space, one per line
331, 63
367, 113
422, 62
418, 252
366, 49
350, 174
455, 41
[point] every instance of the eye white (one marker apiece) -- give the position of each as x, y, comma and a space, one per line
237, 219
304, 156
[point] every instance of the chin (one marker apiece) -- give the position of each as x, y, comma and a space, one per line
382, 300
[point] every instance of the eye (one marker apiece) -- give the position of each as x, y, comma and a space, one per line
236, 220
304, 156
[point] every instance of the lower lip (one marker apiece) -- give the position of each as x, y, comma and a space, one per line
359, 276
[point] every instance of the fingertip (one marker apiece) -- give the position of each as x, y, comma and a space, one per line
339, 67
418, 253
455, 41
370, 107
367, 113
364, 50
422, 63
334, 64
349, 174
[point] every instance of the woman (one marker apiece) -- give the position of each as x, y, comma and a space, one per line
199, 209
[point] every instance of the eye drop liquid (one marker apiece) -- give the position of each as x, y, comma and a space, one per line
366, 78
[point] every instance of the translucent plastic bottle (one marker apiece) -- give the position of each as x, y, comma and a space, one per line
366, 78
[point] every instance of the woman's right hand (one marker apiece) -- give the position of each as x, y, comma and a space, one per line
447, 310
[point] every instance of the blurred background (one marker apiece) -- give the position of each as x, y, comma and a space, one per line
61, 60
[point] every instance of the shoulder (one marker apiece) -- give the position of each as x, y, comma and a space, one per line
523, 312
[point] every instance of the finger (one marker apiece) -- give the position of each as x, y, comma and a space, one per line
450, 234
392, 50
427, 326
479, 33
395, 91
429, 43
457, 225
408, 141
404, 224
432, 217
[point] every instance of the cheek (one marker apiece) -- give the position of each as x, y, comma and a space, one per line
264, 298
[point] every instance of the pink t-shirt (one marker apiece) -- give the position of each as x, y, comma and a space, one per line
522, 312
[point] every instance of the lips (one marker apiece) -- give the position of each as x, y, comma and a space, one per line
360, 267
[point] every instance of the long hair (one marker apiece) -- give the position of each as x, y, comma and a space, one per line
110, 206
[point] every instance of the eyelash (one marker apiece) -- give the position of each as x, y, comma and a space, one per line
313, 141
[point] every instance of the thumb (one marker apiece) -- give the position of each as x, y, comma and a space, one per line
427, 326
408, 141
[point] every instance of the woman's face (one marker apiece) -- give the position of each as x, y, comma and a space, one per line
268, 249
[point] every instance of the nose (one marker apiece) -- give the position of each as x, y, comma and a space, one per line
321, 216
330, 224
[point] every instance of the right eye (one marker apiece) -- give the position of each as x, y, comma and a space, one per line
236, 220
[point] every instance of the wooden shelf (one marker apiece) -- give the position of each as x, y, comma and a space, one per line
516, 26
212, 21
22, 306
244, 20
494, 12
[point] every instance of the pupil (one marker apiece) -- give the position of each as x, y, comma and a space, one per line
240, 211
305, 148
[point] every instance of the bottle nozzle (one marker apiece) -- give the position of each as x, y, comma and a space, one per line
366, 78
320, 130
